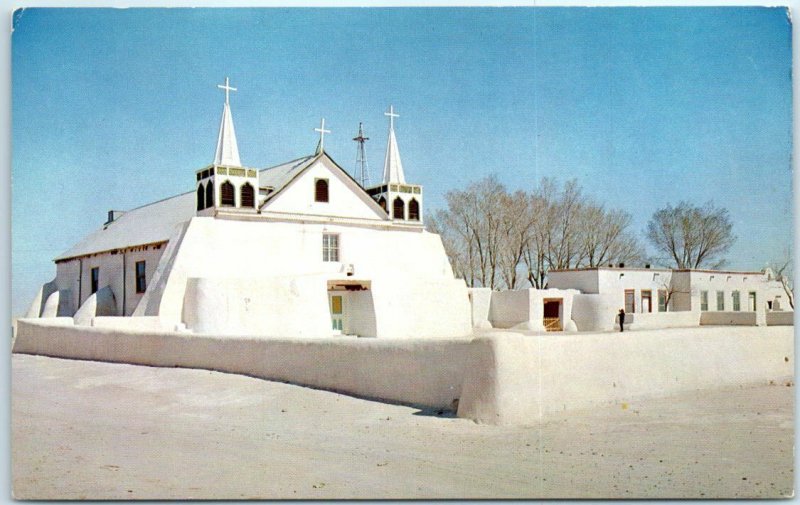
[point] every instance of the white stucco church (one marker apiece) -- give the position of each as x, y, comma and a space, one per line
298, 249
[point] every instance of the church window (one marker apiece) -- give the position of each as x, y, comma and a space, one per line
382, 203
247, 196
330, 247
227, 197
201, 197
413, 210
95, 279
141, 283
210, 194
321, 190
399, 208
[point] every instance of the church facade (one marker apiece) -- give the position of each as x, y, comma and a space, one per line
298, 249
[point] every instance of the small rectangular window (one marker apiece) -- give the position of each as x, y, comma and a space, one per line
704, 300
752, 301
736, 302
141, 283
330, 247
720, 300
95, 279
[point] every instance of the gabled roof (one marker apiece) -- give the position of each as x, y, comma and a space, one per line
147, 224
155, 222
281, 176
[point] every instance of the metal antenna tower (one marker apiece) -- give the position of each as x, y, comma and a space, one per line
362, 170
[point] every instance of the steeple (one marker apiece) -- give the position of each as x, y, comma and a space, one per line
227, 153
392, 166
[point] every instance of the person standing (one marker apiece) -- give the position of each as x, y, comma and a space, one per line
621, 319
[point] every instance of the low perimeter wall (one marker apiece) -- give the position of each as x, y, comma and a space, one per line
499, 378
780, 318
424, 372
728, 318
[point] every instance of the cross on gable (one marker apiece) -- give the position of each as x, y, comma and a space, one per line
322, 131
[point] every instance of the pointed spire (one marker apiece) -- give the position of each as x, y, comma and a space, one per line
227, 150
392, 166
322, 131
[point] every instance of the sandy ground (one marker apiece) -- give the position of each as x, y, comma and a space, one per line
105, 431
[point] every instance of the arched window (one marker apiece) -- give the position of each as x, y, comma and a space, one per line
399, 208
201, 197
227, 198
321, 190
413, 210
247, 196
382, 203
210, 194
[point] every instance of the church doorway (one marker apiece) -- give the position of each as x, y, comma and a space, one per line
351, 308
552, 314
337, 311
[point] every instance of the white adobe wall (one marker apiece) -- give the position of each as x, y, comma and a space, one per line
712, 282
413, 371
271, 306
111, 275
595, 312
501, 378
616, 280
413, 287
516, 380
480, 301
586, 281
524, 308
784, 318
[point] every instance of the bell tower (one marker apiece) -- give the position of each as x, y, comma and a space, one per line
401, 201
226, 185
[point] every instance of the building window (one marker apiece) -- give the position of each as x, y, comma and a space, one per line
201, 197
227, 198
662, 300
647, 301
399, 208
141, 283
630, 301
720, 300
210, 194
330, 247
752, 300
703, 300
382, 203
95, 279
736, 302
321, 190
413, 210
247, 196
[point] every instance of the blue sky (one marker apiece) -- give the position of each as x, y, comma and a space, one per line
115, 108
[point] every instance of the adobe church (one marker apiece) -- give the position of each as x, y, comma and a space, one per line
298, 249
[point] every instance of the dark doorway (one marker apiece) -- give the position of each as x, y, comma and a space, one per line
552, 314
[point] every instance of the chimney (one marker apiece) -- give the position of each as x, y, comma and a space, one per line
113, 215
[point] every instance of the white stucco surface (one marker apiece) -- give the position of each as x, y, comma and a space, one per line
499, 378
480, 299
780, 318
518, 380
728, 318
524, 308
427, 372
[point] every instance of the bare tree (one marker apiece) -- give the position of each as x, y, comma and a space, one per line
604, 239
691, 236
784, 272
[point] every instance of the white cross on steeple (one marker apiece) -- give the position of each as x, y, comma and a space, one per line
322, 131
227, 89
391, 115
